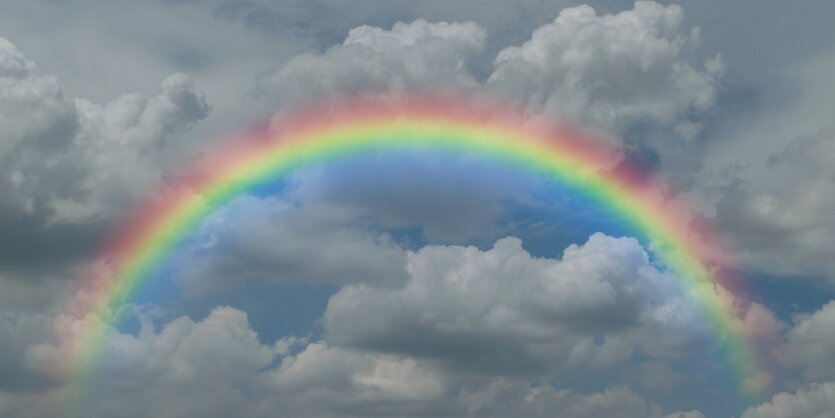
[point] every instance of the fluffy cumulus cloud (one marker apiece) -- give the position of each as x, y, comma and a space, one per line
608, 71
612, 70
33, 107
66, 167
218, 367
322, 380
813, 401
123, 145
338, 223
153, 369
185, 368
411, 56
811, 344
519, 399
504, 312
69, 164
74, 157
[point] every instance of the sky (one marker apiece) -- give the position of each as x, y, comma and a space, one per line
418, 284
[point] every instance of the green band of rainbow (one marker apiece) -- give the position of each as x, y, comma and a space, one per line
408, 123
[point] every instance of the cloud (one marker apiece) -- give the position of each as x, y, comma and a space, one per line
218, 366
75, 157
659, 376
608, 71
507, 398
812, 401
323, 380
123, 144
339, 382
688, 414
766, 181
343, 222
276, 239
18, 331
69, 165
810, 344
779, 220
145, 371
411, 56
470, 330
504, 312
38, 121
183, 368
452, 199
612, 71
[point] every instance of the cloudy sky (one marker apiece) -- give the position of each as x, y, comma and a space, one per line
418, 285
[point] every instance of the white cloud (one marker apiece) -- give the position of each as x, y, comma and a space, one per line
503, 398
71, 160
182, 368
219, 367
329, 223
123, 146
504, 312
612, 71
812, 401
811, 344
33, 107
607, 71
38, 121
418, 55
322, 380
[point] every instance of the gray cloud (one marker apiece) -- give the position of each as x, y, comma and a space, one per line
218, 367
812, 401
450, 198
282, 241
612, 71
767, 179
780, 220
608, 71
811, 344
67, 168
411, 56
504, 312
69, 164
659, 376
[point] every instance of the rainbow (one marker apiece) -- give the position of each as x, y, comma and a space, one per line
356, 126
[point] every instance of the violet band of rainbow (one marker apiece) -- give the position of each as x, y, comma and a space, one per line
357, 126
